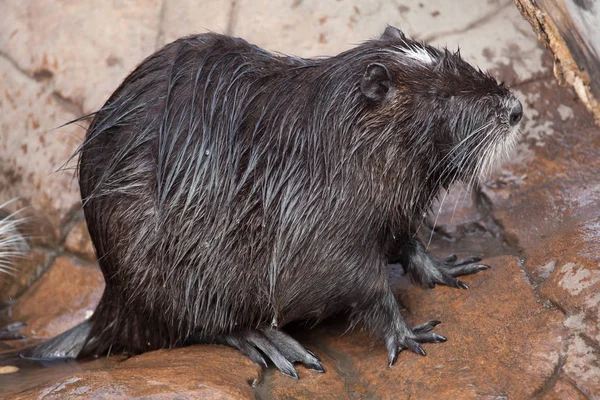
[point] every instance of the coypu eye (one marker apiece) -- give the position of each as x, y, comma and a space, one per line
444, 95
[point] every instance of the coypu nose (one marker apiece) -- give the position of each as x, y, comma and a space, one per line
516, 113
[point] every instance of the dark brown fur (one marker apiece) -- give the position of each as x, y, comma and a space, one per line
229, 191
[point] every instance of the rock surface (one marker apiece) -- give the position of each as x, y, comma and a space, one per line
527, 328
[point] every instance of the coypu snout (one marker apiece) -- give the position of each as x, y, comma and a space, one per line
516, 113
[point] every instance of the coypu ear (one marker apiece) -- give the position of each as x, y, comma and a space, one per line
392, 32
376, 82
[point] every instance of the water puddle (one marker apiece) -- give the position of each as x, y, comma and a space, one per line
18, 374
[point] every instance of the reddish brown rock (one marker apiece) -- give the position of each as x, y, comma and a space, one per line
582, 365
563, 389
78, 242
505, 337
199, 372
310, 384
555, 173
498, 332
63, 297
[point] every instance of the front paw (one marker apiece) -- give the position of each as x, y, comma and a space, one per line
450, 268
430, 271
411, 338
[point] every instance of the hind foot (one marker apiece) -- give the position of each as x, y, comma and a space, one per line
384, 319
430, 271
277, 346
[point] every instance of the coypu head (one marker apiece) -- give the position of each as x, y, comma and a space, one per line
465, 120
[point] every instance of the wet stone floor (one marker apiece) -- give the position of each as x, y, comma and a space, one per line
527, 328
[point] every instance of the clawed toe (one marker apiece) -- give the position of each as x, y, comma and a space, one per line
277, 346
467, 269
450, 269
465, 261
412, 341
426, 327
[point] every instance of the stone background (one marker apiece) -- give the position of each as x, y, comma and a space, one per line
529, 327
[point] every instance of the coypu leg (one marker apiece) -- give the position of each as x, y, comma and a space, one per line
384, 319
277, 346
429, 271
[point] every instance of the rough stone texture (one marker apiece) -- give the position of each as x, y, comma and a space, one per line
552, 216
483, 324
31, 152
86, 57
313, 27
63, 297
161, 374
529, 327
188, 17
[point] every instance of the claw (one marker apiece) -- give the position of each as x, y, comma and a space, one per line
313, 354
317, 367
440, 338
290, 372
392, 356
277, 346
415, 347
462, 285
465, 261
426, 327
431, 338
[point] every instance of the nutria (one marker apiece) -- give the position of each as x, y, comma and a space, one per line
229, 191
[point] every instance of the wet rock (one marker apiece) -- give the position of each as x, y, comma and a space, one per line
526, 328
78, 242
207, 372
310, 384
552, 216
558, 165
63, 297
498, 332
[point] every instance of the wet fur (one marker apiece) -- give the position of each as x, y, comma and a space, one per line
227, 189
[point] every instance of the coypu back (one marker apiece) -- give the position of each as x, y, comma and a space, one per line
228, 159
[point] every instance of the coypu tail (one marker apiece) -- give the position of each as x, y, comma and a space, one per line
66, 345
